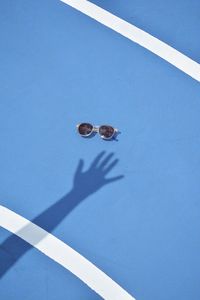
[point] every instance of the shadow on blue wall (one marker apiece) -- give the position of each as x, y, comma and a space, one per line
85, 183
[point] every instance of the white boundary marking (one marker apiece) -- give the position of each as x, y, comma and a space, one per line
63, 254
144, 39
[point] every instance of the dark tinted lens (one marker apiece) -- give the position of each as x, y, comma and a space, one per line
85, 128
106, 131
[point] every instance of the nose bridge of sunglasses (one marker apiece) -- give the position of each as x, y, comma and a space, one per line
96, 128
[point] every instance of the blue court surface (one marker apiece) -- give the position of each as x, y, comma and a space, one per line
59, 68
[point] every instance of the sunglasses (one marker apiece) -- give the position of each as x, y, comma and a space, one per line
105, 131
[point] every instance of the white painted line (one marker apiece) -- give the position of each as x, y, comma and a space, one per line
138, 36
63, 254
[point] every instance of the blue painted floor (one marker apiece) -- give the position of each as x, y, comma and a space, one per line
59, 68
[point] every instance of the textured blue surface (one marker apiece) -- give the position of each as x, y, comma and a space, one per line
58, 67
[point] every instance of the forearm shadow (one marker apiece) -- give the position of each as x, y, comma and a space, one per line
85, 183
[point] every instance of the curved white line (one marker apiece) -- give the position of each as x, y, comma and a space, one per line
64, 255
138, 36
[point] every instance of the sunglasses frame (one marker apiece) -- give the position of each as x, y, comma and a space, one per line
95, 129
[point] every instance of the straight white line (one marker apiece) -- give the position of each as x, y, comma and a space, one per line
63, 254
138, 36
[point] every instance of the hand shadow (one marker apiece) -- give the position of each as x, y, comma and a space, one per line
85, 183
94, 178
